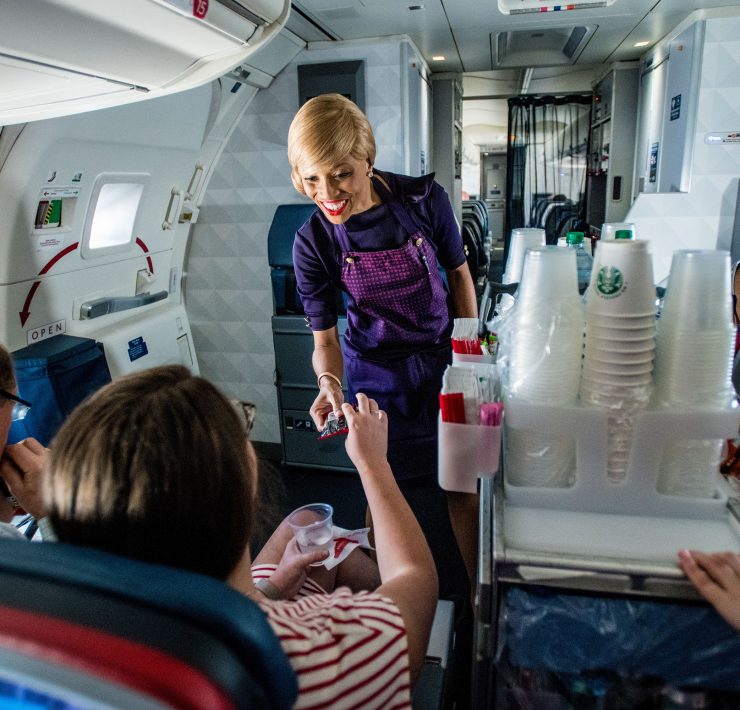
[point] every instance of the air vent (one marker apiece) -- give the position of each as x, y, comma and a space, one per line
539, 47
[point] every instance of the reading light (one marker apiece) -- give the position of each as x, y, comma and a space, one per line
642, 44
438, 57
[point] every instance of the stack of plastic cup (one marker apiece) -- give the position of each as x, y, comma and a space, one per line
616, 230
694, 355
619, 347
522, 238
542, 350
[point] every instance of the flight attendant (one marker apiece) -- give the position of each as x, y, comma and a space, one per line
377, 237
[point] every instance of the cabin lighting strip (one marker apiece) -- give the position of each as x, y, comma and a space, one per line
558, 8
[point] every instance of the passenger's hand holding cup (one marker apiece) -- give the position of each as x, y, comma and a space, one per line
312, 527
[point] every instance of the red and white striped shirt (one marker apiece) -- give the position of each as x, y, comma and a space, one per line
349, 650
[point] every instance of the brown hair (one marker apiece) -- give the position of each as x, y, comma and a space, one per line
154, 466
7, 374
326, 130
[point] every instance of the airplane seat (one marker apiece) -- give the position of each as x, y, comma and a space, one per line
55, 375
286, 221
293, 344
86, 628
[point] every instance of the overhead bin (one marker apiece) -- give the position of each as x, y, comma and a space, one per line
59, 57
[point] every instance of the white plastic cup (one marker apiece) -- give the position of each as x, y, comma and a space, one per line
522, 238
312, 527
549, 273
621, 280
698, 297
609, 229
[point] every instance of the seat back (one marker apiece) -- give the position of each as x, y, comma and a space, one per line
55, 375
285, 223
81, 622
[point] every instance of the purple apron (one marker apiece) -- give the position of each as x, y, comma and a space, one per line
400, 300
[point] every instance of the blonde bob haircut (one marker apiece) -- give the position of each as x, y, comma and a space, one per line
326, 130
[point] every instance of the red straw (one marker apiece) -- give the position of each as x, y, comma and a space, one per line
453, 407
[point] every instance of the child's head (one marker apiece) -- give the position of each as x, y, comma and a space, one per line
155, 466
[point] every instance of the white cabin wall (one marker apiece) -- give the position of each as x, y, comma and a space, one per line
703, 217
229, 293
44, 277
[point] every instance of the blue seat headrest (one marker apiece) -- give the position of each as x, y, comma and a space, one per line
285, 223
207, 602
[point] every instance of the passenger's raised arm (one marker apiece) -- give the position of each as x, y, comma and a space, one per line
407, 570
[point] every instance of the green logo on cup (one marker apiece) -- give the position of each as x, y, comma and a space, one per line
609, 281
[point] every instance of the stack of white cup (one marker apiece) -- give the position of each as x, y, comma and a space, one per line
522, 238
620, 343
609, 230
543, 339
693, 368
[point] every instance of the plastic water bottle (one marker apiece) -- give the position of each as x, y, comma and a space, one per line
584, 260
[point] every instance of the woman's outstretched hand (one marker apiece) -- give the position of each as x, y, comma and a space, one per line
716, 577
367, 439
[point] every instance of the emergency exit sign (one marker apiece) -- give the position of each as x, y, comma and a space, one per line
43, 332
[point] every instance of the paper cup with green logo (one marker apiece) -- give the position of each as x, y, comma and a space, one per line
621, 281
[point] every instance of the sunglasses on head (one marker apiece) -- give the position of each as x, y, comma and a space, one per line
246, 412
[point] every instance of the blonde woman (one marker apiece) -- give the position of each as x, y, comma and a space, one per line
378, 237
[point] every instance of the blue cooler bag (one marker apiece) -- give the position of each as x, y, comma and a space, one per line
55, 375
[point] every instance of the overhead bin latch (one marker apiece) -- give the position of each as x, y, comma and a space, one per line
115, 304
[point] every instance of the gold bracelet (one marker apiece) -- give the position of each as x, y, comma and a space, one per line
328, 374
268, 589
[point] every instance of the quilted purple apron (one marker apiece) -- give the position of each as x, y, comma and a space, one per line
402, 304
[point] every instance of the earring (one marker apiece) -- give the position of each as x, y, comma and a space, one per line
369, 173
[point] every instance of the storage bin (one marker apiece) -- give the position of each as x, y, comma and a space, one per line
637, 494
467, 452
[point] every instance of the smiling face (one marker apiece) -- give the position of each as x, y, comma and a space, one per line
340, 190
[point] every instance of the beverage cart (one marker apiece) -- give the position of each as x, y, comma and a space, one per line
580, 603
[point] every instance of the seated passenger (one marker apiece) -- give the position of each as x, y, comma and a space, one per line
20, 464
155, 466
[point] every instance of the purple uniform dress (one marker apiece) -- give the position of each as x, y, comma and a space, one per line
399, 312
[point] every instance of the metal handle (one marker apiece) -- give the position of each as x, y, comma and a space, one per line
114, 304
173, 209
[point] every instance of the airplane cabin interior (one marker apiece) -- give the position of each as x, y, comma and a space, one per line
148, 218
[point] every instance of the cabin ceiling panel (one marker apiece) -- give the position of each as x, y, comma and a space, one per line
461, 30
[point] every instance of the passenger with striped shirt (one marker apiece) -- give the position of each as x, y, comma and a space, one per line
155, 466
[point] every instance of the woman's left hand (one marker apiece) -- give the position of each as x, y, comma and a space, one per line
292, 569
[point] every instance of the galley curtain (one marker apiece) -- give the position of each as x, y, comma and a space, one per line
546, 155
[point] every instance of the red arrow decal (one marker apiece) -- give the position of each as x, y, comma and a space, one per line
34, 287
145, 249
25, 312
58, 256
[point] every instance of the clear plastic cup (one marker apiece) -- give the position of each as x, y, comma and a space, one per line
699, 292
312, 527
548, 273
522, 238
609, 229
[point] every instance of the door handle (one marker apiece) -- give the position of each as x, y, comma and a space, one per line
114, 304
173, 209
